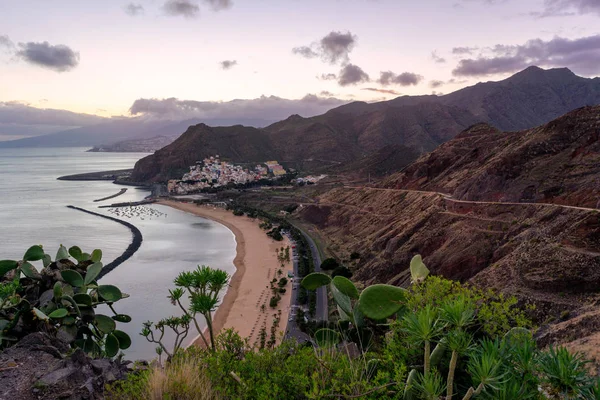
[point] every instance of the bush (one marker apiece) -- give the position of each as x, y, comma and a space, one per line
354, 255
341, 271
282, 290
238, 212
329, 264
274, 301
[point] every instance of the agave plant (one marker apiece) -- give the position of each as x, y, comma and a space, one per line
60, 298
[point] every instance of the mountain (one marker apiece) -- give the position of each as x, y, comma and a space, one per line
134, 131
357, 130
557, 163
200, 141
517, 212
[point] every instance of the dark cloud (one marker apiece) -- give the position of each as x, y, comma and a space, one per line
387, 78
436, 84
464, 50
59, 57
181, 8
326, 93
134, 9
327, 77
218, 5
264, 108
305, 52
436, 58
554, 8
352, 75
386, 91
581, 55
334, 48
228, 64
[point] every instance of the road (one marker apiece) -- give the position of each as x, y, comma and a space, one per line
322, 312
292, 330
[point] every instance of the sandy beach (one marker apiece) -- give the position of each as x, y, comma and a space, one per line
257, 264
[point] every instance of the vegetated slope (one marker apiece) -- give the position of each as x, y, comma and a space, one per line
556, 163
357, 130
236, 143
546, 253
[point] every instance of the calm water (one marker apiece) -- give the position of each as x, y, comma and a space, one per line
32, 211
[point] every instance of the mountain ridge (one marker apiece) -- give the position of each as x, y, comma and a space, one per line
357, 130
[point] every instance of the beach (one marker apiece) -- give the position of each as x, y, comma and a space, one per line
256, 265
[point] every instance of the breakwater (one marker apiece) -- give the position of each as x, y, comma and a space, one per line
113, 196
129, 251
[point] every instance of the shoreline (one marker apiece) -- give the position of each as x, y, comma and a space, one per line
240, 307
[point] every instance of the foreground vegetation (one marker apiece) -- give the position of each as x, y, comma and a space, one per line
436, 340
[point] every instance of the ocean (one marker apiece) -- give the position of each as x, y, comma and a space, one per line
33, 211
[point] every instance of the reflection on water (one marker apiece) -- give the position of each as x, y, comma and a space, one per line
32, 211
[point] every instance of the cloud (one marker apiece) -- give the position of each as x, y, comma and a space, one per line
271, 108
228, 64
326, 93
436, 84
181, 8
553, 8
6, 42
352, 75
581, 55
387, 78
334, 48
59, 58
386, 91
464, 50
218, 5
305, 52
436, 58
134, 9
13, 112
327, 77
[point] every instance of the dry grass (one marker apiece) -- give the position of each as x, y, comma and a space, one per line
182, 379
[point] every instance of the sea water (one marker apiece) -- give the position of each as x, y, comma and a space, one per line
33, 211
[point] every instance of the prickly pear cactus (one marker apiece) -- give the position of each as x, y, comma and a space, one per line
61, 298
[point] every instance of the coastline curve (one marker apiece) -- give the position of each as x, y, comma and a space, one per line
129, 251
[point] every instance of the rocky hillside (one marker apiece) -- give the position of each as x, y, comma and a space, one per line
477, 230
556, 163
359, 130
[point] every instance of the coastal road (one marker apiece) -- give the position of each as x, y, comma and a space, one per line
322, 312
292, 330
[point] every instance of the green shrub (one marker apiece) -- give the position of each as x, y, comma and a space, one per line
329, 264
341, 271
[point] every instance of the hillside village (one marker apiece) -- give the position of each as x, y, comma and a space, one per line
212, 172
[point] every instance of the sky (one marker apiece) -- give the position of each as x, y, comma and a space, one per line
161, 57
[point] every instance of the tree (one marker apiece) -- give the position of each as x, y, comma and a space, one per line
354, 255
203, 287
329, 264
282, 282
